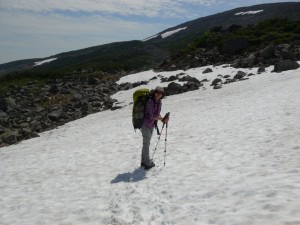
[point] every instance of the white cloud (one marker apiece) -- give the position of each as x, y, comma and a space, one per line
30, 35
65, 25
39, 28
122, 7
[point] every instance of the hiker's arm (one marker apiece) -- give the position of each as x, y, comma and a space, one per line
149, 111
159, 118
162, 119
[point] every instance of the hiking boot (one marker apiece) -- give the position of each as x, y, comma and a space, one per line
146, 167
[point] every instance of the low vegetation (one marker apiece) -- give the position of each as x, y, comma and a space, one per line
271, 31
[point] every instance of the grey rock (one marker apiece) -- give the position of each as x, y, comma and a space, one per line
286, 65
216, 81
53, 89
288, 55
207, 70
3, 105
240, 75
11, 104
172, 78
3, 115
116, 107
268, 52
55, 115
261, 69
174, 88
10, 137
190, 86
77, 96
126, 86
218, 86
251, 60
2, 129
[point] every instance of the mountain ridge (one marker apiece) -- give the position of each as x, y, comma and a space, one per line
118, 56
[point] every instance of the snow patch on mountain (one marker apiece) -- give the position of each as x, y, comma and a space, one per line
166, 34
169, 33
248, 13
148, 38
44, 61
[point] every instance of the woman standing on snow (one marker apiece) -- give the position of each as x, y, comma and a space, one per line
152, 115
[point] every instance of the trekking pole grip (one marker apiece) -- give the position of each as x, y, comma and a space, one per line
166, 116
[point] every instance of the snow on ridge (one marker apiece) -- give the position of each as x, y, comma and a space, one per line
44, 61
166, 34
148, 38
248, 12
169, 33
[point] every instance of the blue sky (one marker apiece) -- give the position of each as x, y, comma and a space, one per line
41, 28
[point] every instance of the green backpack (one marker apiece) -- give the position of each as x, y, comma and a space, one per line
140, 98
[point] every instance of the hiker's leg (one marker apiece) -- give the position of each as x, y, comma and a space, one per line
147, 134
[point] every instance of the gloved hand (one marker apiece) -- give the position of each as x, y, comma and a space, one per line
166, 118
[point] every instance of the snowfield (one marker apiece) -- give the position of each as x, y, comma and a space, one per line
233, 158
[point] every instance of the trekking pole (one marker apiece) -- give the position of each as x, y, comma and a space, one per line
166, 144
157, 130
157, 142
166, 116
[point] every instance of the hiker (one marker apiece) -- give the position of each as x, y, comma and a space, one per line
152, 115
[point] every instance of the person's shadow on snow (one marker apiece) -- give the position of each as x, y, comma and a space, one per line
135, 176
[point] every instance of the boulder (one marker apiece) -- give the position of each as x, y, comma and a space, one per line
53, 89
55, 115
216, 82
126, 86
8, 104
3, 105
261, 69
218, 86
3, 115
189, 79
154, 78
204, 80
288, 55
228, 81
93, 81
240, 75
268, 52
10, 137
139, 83
207, 70
286, 65
173, 88
191, 86
172, 78
251, 60
2, 129
115, 108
